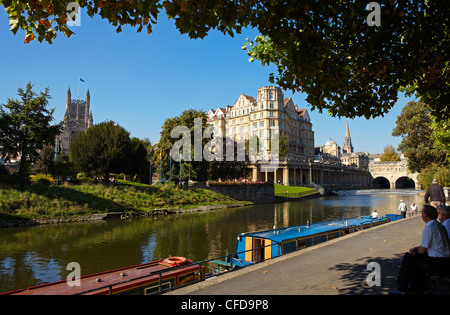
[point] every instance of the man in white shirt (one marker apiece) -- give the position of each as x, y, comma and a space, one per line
402, 208
433, 255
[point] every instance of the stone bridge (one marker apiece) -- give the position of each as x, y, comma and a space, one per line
388, 175
392, 175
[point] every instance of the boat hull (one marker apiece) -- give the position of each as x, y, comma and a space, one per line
256, 247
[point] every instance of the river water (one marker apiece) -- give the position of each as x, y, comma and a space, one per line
34, 255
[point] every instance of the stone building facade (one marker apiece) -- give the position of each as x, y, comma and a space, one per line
264, 116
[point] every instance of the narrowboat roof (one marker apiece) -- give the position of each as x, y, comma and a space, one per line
282, 234
90, 282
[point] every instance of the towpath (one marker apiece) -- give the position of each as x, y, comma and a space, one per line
339, 266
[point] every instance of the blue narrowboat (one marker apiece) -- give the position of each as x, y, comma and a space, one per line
256, 247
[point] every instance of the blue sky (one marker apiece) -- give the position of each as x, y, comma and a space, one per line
139, 80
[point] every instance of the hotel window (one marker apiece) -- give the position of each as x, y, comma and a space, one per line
255, 125
271, 96
271, 104
271, 114
261, 123
271, 123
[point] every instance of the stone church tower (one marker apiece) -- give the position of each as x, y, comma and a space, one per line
78, 118
348, 147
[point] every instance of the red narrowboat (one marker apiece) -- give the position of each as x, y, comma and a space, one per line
143, 279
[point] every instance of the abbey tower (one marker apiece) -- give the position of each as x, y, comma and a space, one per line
78, 118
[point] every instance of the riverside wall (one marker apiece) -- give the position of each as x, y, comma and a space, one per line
257, 193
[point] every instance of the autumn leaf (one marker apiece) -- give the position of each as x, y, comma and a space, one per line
29, 38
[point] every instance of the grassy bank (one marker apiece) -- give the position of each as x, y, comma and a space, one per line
280, 189
43, 200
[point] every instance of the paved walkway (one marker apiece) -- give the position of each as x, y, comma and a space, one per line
335, 267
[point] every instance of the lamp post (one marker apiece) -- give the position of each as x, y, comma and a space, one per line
150, 156
181, 162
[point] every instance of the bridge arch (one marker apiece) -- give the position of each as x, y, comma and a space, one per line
381, 182
405, 182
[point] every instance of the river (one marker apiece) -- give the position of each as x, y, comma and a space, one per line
34, 255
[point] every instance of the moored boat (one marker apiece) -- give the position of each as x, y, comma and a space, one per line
143, 279
255, 247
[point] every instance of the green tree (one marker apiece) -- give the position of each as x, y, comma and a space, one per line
63, 168
414, 126
229, 169
45, 162
138, 165
389, 154
325, 49
101, 150
199, 169
441, 137
25, 128
434, 170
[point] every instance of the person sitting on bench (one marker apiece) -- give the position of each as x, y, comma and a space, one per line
432, 256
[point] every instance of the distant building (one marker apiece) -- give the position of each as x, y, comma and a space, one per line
264, 116
329, 153
77, 119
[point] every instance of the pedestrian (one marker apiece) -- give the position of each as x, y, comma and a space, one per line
402, 209
413, 209
374, 214
433, 255
444, 216
435, 193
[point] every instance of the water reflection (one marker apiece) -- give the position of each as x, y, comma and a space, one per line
36, 255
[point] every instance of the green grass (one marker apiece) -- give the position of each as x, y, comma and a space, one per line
49, 200
279, 189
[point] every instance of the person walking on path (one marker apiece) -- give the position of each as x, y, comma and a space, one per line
433, 255
402, 208
435, 193
413, 209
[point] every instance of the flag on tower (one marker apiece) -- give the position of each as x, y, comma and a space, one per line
82, 80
